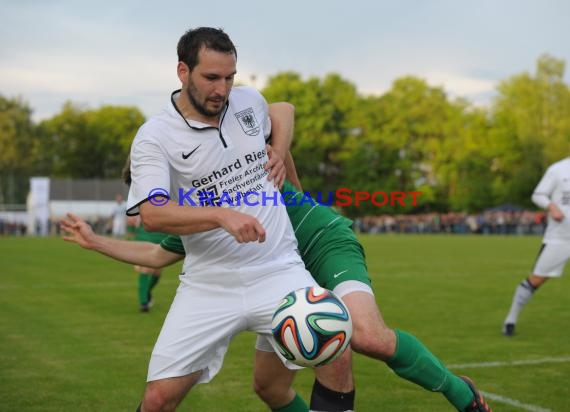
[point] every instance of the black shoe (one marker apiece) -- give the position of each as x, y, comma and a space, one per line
509, 329
478, 404
146, 307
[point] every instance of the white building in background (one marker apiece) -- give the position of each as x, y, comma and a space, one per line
50, 199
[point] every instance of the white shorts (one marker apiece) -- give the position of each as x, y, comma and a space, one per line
551, 260
210, 308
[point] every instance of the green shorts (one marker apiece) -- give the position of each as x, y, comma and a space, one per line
337, 257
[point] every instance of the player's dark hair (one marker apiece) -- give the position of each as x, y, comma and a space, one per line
208, 37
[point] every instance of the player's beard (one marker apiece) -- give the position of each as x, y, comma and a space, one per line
199, 102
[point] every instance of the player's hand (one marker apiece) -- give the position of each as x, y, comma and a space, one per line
243, 227
78, 231
276, 167
555, 212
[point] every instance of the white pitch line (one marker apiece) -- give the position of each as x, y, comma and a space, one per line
514, 402
562, 359
504, 399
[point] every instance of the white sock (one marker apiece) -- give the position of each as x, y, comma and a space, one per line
523, 293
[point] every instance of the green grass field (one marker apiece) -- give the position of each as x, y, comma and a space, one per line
72, 339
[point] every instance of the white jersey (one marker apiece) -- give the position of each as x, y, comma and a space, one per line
189, 159
119, 219
554, 187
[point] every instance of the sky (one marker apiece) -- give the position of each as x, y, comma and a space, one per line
123, 52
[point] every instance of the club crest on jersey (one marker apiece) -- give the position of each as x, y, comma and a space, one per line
248, 122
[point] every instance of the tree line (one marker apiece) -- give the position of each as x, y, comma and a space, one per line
414, 137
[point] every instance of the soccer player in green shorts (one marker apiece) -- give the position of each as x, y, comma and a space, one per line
148, 276
335, 258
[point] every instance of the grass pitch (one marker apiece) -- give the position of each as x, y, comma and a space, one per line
71, 336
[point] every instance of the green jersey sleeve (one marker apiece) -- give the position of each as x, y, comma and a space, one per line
173, 244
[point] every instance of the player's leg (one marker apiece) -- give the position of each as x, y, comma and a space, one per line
550, 263
148, 278
155, 277
333, 389
193, 341
343, 269
272, 381
144, 281
523, 293
165, 395
406, 355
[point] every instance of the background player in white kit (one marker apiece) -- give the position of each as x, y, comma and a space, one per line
552, 194
241, 260
119, 217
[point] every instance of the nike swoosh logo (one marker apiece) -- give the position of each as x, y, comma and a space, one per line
186, 156
336, 275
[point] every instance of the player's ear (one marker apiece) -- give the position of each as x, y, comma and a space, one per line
182, 71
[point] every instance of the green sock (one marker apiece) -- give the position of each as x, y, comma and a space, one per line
144, 287
296, 405
414, 362
153, 281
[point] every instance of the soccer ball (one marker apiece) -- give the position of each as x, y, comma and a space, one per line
311, 326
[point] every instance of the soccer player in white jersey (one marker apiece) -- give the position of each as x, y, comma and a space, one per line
552, 194
119, 217
209, 143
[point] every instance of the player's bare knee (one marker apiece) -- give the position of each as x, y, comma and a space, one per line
365, 344
154, 400
537, 281
372, 343
264, 389
259, 387
274, 395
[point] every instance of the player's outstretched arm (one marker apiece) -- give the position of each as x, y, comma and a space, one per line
76, 230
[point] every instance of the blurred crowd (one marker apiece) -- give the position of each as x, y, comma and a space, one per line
488, 223
100, 225
12, 228
522, 222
